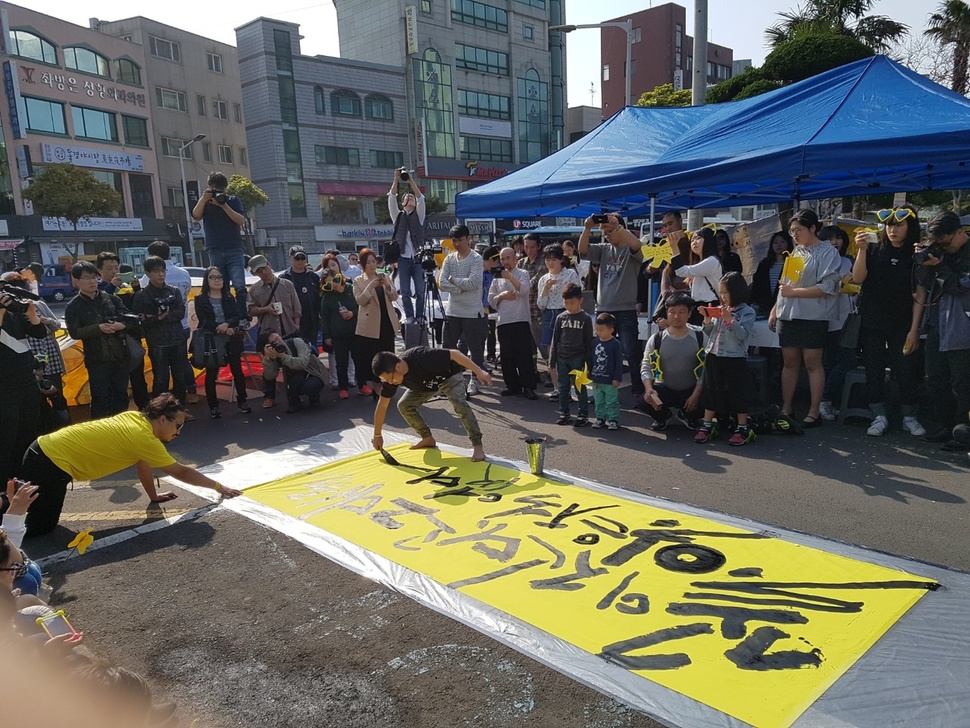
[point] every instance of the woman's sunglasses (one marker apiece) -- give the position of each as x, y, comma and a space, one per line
897, 214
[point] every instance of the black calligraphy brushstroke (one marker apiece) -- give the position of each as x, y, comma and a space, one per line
751, 654
645, 539
666, 524
560, 556
569, 511
386, 519
587, 539
497, 574
485, 480
490, 498
705, 559
438, 478
634, 603
509, 548
749, 571
465, 490
535, 507
621, 531
567, 582
762, 587
607, 601
734, 619
800, 601
618, 652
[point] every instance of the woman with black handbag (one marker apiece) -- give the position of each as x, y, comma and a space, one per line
217, 314
890, 317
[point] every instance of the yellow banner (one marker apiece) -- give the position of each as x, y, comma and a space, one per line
746, 623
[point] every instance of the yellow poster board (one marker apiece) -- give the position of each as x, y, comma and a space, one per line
749, 624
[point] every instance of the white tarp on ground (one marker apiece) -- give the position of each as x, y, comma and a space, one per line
917, 674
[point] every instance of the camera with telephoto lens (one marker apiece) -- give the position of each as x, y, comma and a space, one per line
125, 318
219, 196
20, 298
921, 256
426, 256
164, 303
405, 175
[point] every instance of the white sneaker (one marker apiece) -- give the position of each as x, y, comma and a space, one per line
472, 389
826, 411
878, 427
913, 427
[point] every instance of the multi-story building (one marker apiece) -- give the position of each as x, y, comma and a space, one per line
661, 53
486, 92
73, 95
192, 85
581, 120
325, 135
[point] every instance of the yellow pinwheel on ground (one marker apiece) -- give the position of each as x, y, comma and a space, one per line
82, 541
582, 378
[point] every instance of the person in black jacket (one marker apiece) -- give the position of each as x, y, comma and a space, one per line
764, 285
218, 313
730, 261
161, 308
19, 394
97, 319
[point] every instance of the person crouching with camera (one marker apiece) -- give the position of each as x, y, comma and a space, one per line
161, 308
98, 320
303, 372
18, 390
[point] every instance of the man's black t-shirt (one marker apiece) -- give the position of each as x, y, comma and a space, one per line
427, 369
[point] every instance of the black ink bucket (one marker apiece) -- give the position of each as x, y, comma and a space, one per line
535, 447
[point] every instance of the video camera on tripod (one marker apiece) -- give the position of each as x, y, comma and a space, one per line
426, 256
19, 298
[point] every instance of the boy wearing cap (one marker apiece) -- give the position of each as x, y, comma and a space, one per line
307, 285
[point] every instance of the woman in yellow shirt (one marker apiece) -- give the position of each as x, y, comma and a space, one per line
91, 450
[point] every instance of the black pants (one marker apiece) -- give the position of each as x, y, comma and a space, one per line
45, 512
341, 353
20, 407
885, 348
518, 349
233, 353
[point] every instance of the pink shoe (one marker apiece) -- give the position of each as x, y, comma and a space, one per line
344, 394
366, 390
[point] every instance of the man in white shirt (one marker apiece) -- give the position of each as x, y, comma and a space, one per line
461, 279
408, 233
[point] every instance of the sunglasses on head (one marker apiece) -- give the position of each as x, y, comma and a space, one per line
897, 214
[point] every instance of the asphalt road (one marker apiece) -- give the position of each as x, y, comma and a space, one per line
245, 627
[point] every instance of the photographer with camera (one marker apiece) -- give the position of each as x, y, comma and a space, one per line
408, 239
943, 278
273, 299
223, 219
619, 260
303, 372
18, 390
161, 307
100, 321
461, 279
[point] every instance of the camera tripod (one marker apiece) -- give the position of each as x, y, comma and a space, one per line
432, 303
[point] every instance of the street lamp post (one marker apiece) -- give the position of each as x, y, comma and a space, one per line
185, 187
625, 25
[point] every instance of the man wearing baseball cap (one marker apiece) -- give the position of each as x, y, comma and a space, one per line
307, 285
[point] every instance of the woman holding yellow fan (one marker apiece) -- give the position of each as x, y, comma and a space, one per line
807, 292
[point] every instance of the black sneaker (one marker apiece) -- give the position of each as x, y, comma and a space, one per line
215, 413
940, 435
564, 418
509, 392
529, 394
659, 425
689, 423
242, 407
580, 421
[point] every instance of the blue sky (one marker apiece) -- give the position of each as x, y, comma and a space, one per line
738, 24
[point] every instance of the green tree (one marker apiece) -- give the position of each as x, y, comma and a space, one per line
664, 97
72, 193
250, 196
434, 205
951, 25
839, 17
811, 54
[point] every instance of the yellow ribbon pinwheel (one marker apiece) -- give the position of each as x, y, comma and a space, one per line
582, 378
657, 254
82, 541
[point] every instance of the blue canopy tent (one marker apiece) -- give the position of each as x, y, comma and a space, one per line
873, 125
